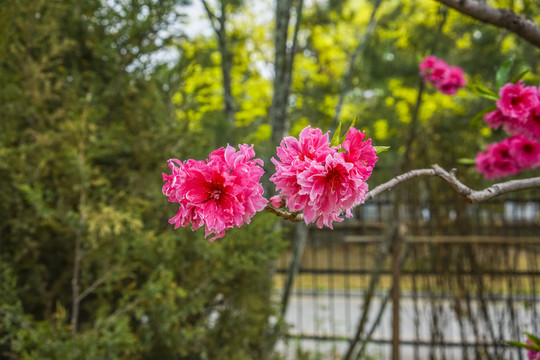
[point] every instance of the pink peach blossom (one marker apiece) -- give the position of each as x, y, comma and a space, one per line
322, 182
427, 65
516, 100
525, 151
495, 119
497, 161
453, 80
359, 152
433, 70
528, 127
294, 157
221, 193
533, 123
503, 161
447, 79
484, 165
508, 157
332, 187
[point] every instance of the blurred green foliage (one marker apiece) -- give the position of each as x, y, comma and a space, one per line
88, 122
88, 119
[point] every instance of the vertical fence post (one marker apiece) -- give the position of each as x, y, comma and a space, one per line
300, 239
396, 292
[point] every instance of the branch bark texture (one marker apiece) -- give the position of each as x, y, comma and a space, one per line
470, 195
503, 18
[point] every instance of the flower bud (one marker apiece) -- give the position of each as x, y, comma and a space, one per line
277, 201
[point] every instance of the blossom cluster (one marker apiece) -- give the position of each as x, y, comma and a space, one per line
323, 180
224, 191
508, 157
447, 79
518, 113
220, 193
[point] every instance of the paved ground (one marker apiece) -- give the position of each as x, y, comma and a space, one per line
336, 315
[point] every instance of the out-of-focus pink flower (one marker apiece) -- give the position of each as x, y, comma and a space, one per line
433, 69
496, 162
531, 354
452, 81
517, 100
316, 178
518, 112
508, 157
220, 193
447, 79
495, 119
484, 165
277, 201
525, 151
427, 65
503, 161
528, 127
533, 123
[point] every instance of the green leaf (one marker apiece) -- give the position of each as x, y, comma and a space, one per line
501, 77
534, 339
519, 76
521, 345
349, 128
484, 92
380, 149
335, 138
353, 122
341, 139
479, 117
466, 161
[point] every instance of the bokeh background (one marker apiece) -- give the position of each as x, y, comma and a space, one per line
97, 95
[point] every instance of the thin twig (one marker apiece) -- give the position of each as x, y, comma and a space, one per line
294, 217
470, 195
95, 284
128, 307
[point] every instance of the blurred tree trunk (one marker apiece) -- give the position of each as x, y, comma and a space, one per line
346, 81
218, 25
283, 66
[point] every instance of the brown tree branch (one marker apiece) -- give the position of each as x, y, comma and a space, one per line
470, 195
503, 18
294, 217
